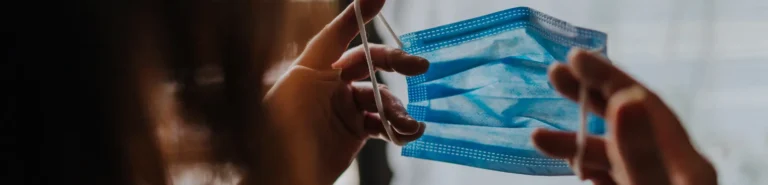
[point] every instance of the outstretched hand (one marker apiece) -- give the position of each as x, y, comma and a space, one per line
322, 116
645, 143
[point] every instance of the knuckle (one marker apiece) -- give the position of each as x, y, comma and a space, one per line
395, 51
390, 54
327, 27
385, 92
399, 102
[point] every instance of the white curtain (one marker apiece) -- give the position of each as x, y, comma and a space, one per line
707, 58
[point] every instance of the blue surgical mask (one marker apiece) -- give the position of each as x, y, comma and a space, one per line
487, 89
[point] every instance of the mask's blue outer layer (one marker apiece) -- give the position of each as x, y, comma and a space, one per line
487, 89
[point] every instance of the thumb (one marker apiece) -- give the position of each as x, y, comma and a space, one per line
328, 45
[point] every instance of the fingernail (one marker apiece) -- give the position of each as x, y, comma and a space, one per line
632, 124
337, 64
420, 60
418, 126
553, 65
399, 52
632, 94
573, 53
409, 121
628, 104
587, 65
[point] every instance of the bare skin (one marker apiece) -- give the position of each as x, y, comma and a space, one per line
645, 142
323, 116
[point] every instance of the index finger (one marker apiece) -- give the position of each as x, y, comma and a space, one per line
597, 72
354, 67
333, 40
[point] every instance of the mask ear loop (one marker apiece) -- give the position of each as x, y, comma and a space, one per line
389, 29
372, 72
581, 135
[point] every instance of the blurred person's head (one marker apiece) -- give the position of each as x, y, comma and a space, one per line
145, 91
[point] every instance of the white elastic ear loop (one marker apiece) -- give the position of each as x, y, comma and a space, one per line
391, 32
581, 135
371, 71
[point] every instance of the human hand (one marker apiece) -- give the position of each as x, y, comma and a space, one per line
645, 143
324, 118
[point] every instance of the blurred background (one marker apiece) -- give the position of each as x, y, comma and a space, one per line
706, 58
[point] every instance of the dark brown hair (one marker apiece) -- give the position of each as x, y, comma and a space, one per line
88, 80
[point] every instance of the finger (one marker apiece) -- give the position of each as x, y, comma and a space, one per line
333, 40
565, 82
393, 109
374, 128
353, 64
596, 72
677, 152
602, 179
555, 143
346, 110
683, 163
596, 175
632, 147
559, 144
